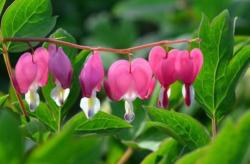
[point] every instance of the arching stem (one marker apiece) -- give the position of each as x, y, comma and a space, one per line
9, 70
126, 51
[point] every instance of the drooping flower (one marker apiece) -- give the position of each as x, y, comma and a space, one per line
163, 66
175, 65
129, 80
188, 65
31, 72
61, 70
91, 78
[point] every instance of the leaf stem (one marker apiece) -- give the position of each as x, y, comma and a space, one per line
9, 70
214, 126
126, 51
125, 157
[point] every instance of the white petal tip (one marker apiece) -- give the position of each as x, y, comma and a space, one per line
59, 95
90, 106
33, 99
129, 115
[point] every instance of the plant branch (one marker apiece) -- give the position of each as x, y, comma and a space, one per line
126, 51
125, 157
9, 70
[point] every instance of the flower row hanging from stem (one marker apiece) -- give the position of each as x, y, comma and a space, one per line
126, 79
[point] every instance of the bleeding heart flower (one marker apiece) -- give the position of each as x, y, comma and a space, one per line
163, 66
128, 81
188, 65
91, 78
175, 65
31, 72
61, 70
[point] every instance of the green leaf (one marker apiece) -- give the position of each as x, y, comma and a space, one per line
150, 138
240, 42
229, 147
104, 123
3, 100
192, 157
46, 116
182, 127
235, 69
2, 3
27, 18
217, 47
11, 140
76, 120
65, 148
36, 130
168, 152
231, 144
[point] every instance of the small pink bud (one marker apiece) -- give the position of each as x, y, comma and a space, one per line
60, 66
91, 78
61, 70
92, 74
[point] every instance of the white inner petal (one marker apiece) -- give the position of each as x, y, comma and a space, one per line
59, 95
183, 91
129, 111
169, 92
32, 97
90, 106
192, 93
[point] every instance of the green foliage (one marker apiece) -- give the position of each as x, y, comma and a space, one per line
103, 122
215, 85
210, 7
46, 116
11, 139
3, 100
68, 148
192, 157
2, 3
230, 146
142, 9
182, 127
168, 152
36, 130
150, 138
27, 18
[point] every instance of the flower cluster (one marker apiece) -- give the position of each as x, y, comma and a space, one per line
126, 80
174, 65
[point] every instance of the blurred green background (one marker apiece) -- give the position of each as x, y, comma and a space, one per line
124, 23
